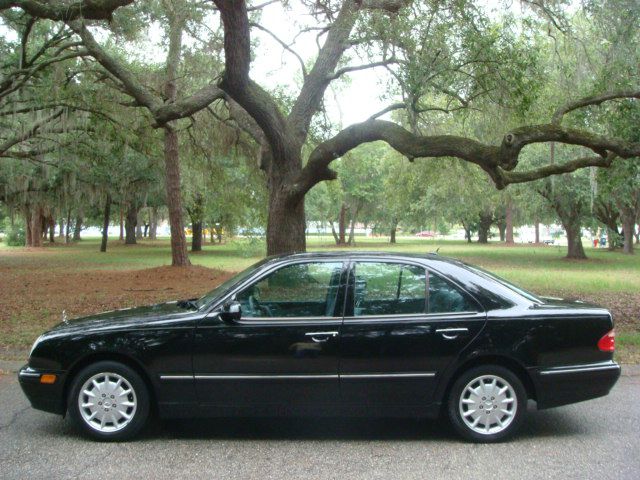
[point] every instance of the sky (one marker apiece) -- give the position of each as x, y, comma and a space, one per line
350, 100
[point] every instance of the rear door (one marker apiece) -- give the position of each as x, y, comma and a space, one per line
403, 326
283, 353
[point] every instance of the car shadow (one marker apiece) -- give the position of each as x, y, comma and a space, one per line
308, 428
537, 424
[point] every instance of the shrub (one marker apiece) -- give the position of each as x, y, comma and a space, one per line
14, 235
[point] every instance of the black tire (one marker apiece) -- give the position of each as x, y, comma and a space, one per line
513, 419
121, 428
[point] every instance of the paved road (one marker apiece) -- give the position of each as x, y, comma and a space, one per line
597, 439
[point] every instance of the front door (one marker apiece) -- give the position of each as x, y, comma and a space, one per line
283, 353
403, 327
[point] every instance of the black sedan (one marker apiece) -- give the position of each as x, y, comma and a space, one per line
340, 334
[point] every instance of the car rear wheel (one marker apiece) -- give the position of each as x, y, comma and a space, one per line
108, 401
487, 403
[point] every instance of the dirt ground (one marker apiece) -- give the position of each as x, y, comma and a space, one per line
32, 300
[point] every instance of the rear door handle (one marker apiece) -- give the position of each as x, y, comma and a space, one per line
320, 337
451, 333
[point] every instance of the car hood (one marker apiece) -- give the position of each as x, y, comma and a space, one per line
161, 313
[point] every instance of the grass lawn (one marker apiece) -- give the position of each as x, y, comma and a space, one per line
36, 284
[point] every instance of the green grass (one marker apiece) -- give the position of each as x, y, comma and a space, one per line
540, 268
543, 269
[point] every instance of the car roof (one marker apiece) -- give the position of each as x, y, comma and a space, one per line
361, 254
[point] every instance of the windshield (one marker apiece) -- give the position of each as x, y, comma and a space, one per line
514, 288
223, 287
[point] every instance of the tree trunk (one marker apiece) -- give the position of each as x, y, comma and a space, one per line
77, 228
52, 230
342, 225
354, 217
36, 226
628, 222
574, 239
612, 238
67, 234
286, 223
179, 256
467, 232
508, 220
61, 227
153, 223
130, 225
394, 227
45, 225
351, 232
27, 223
334, 233
105, 224
196, 239
486, 219
502, 229
121, 223
537, 230
139, 226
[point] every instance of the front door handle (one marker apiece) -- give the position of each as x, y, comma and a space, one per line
320, 337
451, 333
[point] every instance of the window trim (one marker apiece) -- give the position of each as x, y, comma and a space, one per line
350, 293
415, 317
285, 320
455, 284
350, 296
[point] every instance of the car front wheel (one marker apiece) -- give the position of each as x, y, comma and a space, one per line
487, 403
109, 401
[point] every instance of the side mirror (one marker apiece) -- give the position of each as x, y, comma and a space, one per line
231, 311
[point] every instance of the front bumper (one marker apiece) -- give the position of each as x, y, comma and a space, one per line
574, 383
46, 397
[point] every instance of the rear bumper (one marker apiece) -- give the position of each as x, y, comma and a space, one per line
46, 397
574, 383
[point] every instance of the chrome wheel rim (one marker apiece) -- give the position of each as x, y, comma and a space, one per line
488, 404
107, 402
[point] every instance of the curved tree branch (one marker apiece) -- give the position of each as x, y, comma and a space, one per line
31, 131
557, 169
356, 68
132, 85
284, 45
497, 161
89, 9
592, 100
236, 82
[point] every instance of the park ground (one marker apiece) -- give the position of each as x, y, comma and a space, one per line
36, 285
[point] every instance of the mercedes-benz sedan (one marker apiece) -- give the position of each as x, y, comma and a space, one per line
339, 334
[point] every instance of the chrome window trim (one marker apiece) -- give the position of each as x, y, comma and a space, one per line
415, 317
268, 321
268, 269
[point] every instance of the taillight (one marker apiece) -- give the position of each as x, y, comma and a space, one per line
608, 342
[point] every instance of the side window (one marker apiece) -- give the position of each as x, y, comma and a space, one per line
446, 298
300, 290
389, 289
